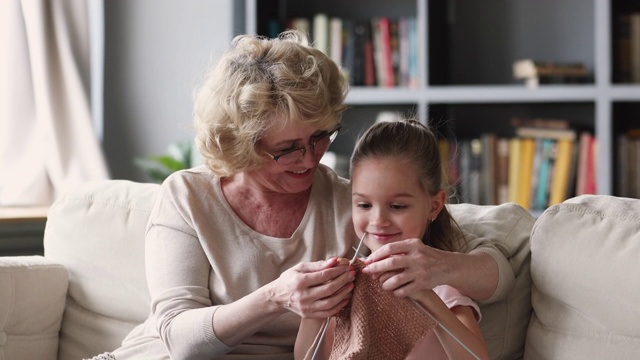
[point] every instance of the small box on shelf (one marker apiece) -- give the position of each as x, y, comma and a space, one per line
535, 73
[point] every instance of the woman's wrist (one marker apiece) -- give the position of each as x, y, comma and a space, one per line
273, 301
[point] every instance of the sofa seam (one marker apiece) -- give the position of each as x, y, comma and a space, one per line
579, 208
22, 269
13, 301
93, 200
590, 334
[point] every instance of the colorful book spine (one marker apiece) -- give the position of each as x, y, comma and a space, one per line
561, 173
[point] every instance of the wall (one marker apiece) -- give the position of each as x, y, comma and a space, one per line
156, 53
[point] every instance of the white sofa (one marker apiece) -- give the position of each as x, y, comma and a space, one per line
576, 293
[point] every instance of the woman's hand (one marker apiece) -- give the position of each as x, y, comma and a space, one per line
315, 289
408, 266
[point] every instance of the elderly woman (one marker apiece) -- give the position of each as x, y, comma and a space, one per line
238, 250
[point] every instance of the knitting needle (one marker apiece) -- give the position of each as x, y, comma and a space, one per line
358, 248
326, 322
445, 329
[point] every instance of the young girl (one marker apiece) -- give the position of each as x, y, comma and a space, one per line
397, 194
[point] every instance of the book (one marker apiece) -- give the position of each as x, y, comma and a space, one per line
540, 123
561, 173
403, 35
475, 167
535, 171
514, 169
454, 165
380, 29
634, 47
321, 32
301, 24
369, 58
273, 28
360, 37
631, 170
546, 133
335, 40
502, 170
394, 40
547, 164
488, 170
348, 49
527, 153
585, 175
465, 171
622, 69
573, 171
624, 160
414, 57
634, 166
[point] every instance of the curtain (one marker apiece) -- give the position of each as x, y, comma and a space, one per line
47, 140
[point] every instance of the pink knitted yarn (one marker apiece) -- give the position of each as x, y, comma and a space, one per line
376, 324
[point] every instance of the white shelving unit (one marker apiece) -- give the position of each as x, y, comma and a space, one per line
566, 28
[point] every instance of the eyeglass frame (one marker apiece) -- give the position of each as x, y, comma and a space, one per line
332, 134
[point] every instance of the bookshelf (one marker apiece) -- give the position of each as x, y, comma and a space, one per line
22, 230
465, 53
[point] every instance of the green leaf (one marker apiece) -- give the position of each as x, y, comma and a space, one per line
179, 156
169, 163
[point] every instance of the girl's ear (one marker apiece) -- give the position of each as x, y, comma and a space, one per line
437, 203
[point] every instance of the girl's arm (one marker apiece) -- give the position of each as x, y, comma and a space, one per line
309, 336
460, 321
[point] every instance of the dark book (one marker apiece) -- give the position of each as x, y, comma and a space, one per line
361, 51
394, 38
622, 51
348, 48
475, 172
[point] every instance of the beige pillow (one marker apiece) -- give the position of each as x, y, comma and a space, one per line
32, 296
97, 232
585, 267
507, 226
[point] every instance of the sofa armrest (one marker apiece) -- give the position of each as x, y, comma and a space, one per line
585, 291
33, 291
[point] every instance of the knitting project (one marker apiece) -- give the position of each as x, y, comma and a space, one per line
376, 324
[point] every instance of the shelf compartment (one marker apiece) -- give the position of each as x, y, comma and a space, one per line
483, 38
626, 147
469, 120
622, 35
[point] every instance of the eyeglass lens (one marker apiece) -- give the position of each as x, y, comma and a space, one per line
320, 145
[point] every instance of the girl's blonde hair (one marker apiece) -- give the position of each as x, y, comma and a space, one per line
259, 81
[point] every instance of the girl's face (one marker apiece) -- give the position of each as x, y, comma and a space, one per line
294, 177
388, 202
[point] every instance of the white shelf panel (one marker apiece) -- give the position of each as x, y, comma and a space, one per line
473, 94
511, 94
629, 92
383, 96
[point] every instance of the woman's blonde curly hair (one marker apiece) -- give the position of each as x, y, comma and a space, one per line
257, 81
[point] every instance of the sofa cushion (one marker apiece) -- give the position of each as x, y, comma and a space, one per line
504, 323
585, 293
32, 297
97, 232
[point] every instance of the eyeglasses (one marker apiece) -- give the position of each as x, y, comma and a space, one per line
320, 144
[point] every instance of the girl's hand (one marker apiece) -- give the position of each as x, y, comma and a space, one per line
315, 289
408, 266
